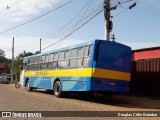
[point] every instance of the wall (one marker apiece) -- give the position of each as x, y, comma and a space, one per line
145, 77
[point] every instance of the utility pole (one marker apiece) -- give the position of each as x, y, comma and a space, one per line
107, 9
40, 45
107, 18
12, 69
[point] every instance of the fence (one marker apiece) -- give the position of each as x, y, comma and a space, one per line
145, 77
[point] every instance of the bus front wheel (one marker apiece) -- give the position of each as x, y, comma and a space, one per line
58, 89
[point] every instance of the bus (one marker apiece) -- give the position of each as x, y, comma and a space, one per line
92, 66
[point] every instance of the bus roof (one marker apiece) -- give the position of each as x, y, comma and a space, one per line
25, 59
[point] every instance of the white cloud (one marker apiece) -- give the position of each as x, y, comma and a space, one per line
23, 10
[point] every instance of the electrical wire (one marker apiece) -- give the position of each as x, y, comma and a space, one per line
14, 4
37, 17
82, 16
74, 30
100, 6
90, 15
125, 9
66, 25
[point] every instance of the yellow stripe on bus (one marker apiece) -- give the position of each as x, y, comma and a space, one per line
83, 72
110, 74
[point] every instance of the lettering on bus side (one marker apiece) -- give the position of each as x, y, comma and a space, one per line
41, 73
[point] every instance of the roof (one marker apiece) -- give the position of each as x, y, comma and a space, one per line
146, 53
71, 47
147, 49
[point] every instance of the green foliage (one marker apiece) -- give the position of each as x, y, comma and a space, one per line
2, 57
24, 54
2, 53
18, 62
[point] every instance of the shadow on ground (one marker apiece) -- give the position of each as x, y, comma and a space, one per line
114, 100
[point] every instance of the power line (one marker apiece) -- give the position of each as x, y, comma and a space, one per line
14, 4
74, 30
82, 16
71, 21
91, 14
125, 9
66, 25
36, 17
79, 21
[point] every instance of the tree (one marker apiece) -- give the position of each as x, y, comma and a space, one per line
24, 54
2, 57
19, 61
2, 53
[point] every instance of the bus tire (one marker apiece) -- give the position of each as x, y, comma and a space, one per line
28, 88
58, 89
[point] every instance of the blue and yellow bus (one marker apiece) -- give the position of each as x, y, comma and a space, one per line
97, 65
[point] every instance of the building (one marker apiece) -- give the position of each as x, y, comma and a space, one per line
145, 54
145, 78
4, 68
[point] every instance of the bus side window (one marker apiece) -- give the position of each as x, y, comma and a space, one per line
90, 50
44, 65
80, 52
54, 63
61, 55
87, 54
47, 58
75, 63
37, 66
56, 57
86, 61
67, 54
43, 58
86, 51
73, 53
62, 63
50, 57
39, 59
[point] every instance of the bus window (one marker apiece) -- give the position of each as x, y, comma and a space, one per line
61, 55
39, 59
74, 53
80, 52
34, 60
63, 64
43, 65
90, 50
86, 51
87, 54
56, 57
47, 58
86, 61
43, 58
75, 63
37, 66
52, 65
67, 54
29, 67
51, 57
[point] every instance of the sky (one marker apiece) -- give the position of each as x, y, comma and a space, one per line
138, 27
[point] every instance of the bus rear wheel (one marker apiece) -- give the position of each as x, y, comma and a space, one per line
28, 88
58, 89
